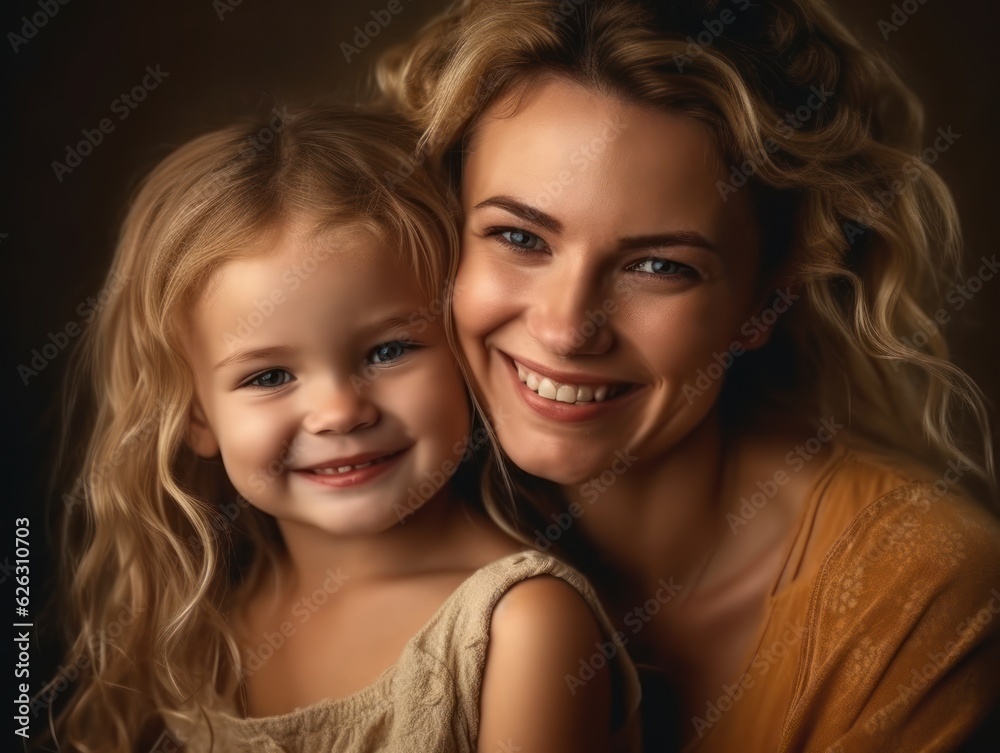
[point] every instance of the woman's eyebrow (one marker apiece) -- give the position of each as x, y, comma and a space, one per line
550, 223
665, 240
524, 211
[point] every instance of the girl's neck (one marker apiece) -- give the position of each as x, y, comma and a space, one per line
424, 540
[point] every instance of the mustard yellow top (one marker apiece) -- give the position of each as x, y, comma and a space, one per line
429, 700
882, 628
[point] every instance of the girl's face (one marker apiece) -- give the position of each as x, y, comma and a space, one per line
602, 273
326, 383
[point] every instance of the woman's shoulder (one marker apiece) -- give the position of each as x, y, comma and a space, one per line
864, 501
904, 608
913, 538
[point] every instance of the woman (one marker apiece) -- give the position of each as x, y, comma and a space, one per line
702, 278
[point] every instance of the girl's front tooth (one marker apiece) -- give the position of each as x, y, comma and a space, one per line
547, 389
600, 393
532, 381
585, 394
566, 394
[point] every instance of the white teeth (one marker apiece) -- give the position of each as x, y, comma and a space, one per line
563, 393
566, 394
547, 388
344, 468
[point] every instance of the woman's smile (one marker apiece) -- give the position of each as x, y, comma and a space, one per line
593, 306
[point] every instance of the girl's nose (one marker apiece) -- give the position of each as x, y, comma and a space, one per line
339, 408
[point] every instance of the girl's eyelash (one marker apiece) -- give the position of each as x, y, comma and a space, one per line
248, 383
404, 347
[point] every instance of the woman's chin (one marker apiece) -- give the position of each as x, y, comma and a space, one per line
563, 468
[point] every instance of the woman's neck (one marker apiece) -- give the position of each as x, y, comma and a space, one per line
661, 516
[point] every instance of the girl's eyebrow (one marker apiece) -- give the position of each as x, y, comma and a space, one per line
281, 351
240, 356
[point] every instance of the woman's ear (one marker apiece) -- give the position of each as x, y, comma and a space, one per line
200, 437
772, 306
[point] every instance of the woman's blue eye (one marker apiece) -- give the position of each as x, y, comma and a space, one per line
522, 240
661, 267
269, 379
388, 352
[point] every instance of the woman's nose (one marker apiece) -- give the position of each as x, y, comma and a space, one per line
339, 407
568, 320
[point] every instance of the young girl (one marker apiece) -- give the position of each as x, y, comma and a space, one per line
274, 486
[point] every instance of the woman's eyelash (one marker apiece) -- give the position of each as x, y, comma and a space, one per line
682, 270
497, 233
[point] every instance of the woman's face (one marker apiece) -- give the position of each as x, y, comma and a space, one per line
605, 283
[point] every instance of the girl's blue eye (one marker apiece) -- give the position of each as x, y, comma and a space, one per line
661, 268
269, 379
390, 351
519, 240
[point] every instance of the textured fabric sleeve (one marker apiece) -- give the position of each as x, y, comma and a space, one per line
459, 637
903, 631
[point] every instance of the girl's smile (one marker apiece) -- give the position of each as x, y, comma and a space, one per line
342, 393
348, 472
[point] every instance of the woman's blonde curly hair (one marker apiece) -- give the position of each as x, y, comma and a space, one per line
827, 139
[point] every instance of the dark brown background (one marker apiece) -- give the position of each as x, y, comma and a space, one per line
59, 235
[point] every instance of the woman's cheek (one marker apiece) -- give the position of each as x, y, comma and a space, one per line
486, 294
673, 334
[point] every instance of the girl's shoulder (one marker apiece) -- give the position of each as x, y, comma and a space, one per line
530, 612
430, 698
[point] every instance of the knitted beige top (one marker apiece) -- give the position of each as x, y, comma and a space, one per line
429, 700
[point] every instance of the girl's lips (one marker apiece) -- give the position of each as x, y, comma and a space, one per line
566, 411
356, 476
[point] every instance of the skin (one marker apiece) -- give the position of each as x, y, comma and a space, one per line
342, 365
605, 173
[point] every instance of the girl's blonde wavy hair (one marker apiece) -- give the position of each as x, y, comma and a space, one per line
852, 215
158, 545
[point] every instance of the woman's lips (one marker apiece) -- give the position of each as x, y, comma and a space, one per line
568, 391
564, 400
